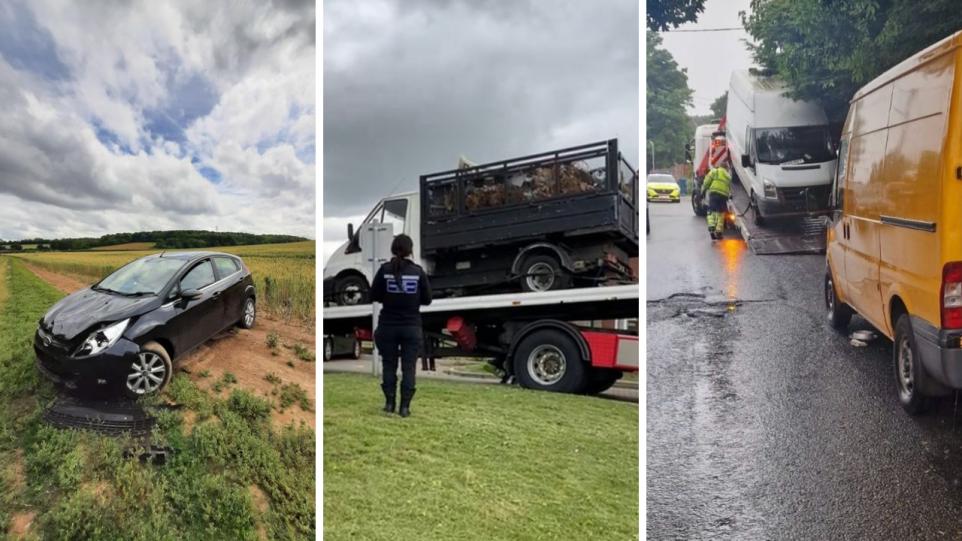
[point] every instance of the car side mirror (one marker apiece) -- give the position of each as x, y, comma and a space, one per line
350, 231
746, 160
190, 294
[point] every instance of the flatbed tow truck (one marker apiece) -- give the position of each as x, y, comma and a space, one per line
532, 337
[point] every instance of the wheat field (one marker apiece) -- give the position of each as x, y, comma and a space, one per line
283, 273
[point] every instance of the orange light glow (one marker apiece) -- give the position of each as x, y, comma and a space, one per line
732, 252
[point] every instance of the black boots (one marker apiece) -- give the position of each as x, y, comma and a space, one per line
406, 397
389, 395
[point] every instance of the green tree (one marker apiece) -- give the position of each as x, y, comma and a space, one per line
826, 50
666, 98
719, 105
665, 14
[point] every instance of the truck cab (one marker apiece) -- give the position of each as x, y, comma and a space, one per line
347, 273
781, 148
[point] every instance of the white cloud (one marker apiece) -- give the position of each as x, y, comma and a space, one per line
154, 95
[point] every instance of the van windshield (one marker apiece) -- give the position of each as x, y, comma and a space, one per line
804, 144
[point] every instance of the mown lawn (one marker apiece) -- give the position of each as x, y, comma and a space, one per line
231, 475
477, 462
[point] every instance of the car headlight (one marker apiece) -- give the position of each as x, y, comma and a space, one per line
102, 339
770, 190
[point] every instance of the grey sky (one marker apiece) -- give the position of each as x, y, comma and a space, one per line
409, 89
132, 116
710, 57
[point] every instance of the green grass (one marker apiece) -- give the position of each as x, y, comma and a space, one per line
80, 486
477, 462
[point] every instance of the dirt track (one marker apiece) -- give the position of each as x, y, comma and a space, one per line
242, 352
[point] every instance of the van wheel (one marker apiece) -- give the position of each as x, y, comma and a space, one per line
757, 217
697, 206
356, 349
149, 373
351, 291
542, 272
328, 349
839, 313
909, 373
549, 360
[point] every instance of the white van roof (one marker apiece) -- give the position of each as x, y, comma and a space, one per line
705, 130
765, 97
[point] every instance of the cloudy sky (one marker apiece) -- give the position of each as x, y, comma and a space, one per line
127, 116
710, 57
410, 86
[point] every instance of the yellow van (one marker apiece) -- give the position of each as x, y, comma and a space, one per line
895, 244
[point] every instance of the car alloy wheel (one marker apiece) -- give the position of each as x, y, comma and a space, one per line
146, 374
249, 313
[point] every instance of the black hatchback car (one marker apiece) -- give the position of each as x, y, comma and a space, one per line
123, 332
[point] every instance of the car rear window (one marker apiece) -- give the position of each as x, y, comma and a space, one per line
200, 276
225, 265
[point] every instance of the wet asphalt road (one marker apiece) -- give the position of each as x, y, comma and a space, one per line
765, 423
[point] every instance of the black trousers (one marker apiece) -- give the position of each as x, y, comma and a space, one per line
398, 342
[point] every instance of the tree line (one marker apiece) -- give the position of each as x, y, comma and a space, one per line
161, 239
823, 50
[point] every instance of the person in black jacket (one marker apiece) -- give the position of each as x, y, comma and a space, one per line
401, 286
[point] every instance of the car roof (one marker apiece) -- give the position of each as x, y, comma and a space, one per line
191, 256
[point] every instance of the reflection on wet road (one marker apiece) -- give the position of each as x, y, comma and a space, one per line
763, 423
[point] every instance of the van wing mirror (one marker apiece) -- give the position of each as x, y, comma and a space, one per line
746, 160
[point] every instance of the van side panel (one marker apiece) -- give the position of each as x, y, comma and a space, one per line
951, 220
912, 189
862, 212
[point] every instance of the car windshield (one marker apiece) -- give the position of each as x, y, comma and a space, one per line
146, 276
661, 179
806, 144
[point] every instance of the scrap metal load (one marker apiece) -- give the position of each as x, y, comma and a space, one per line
576, 206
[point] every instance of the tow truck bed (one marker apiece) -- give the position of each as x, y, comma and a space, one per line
789, 235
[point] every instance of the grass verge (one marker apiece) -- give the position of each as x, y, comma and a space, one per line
231, 476
477, 462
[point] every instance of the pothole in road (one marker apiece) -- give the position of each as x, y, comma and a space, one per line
694, 306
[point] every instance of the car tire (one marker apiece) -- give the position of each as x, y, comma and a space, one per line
151, 357
356, 349
909, 373
600, 381
542, 272
352, 291
328, 349
248, 313
839, 314
549, 360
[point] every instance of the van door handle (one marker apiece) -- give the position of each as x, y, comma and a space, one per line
215, 294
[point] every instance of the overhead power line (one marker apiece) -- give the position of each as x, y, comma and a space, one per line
705, 29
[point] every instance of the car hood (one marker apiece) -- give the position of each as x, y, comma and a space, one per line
84, 309
663, 185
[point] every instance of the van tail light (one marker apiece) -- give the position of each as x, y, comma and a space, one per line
952, 295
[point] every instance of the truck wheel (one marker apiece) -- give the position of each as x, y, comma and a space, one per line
909, 373
328, 349
839, 313
600, 381
697, 207
542, 272
356, 350
549, 360
351, 291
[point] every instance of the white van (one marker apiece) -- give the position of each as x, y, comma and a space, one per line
781, 148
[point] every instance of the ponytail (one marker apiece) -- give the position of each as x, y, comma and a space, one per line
401, 247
